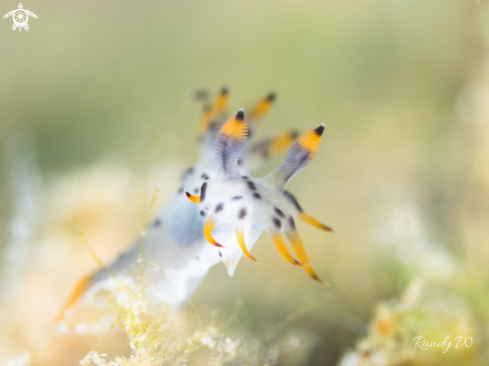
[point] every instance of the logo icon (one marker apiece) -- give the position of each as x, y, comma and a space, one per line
20, 17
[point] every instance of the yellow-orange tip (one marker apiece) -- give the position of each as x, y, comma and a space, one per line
194, 199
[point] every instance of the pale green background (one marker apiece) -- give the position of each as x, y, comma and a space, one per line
101, 78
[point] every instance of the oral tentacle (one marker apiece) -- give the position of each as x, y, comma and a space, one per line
191, 197
310, 271
302, 215
308, 219
300, 250
279, 243
208, 226
242, 244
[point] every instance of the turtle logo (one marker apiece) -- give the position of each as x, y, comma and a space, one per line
20, 17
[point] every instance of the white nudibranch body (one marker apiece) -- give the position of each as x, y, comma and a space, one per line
220, 211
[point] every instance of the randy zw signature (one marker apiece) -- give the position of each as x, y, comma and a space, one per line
445, 345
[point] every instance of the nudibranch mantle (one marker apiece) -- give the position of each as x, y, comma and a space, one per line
220, 210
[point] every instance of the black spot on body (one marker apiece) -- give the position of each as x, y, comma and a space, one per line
224, 90
271, 97
220, 254
203, 190
245, 177
196, 190
205, 176
202, 213
319, 130
157, 223
277, 223
219, 207
251, 185
279, 212
242, 213
180, 190
257, 195
236, 198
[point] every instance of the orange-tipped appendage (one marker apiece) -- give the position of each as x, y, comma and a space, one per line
217, 108
279, 243
310, 140
298, 246
313, 275
308, 219
209, 225
281, 142
261, 108
235, 128
194, 199
240, 236
79, 289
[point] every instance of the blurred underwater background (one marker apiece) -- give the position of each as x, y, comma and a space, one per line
103, 92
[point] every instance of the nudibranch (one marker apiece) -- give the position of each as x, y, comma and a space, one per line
220, 210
